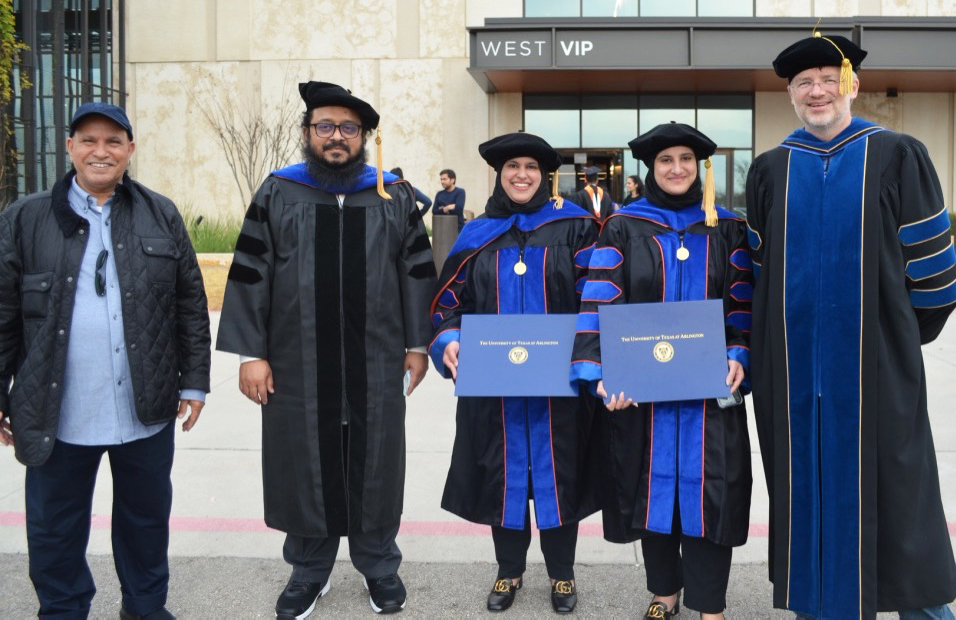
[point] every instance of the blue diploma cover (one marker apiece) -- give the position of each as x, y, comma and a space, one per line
658, 352
515, 355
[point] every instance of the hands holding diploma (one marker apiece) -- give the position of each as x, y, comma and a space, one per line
735, 377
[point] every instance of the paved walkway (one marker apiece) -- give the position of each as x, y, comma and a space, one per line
227, 564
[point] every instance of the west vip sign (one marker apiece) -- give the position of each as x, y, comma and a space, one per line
578, 48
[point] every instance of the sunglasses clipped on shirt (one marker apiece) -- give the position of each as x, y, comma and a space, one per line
100, 278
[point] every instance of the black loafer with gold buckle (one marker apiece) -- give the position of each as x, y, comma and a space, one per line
659, 611
502, 595
563, 597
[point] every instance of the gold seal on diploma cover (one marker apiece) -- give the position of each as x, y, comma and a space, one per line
520, 268
682, 253
663, 351
518, 355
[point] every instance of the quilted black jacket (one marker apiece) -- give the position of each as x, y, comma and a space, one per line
165, 316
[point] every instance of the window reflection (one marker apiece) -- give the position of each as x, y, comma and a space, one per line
728, 128
609, 128
609, 8
552, 8
725, 8
601, 122
561, 128
668, 8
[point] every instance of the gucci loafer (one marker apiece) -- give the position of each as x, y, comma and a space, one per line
502, 595
563, 597
658, 611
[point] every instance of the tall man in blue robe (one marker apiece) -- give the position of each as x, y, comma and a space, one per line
855, 269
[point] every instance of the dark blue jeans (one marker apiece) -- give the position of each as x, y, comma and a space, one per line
59, 501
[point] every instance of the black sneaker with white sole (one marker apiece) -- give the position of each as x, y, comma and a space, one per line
299, 598
386, 595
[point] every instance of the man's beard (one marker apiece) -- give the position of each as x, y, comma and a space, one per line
334, 176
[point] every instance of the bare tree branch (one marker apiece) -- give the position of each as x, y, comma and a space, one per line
254, 139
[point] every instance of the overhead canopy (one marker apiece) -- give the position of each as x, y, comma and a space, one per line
594, 55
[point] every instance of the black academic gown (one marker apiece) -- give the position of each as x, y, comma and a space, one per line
331, 297
584, 197
509, 449
855, 269
690, 451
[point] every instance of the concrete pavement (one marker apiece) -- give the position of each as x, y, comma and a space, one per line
227, 564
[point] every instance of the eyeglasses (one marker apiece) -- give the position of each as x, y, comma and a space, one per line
100, 279
804, 86
347, 130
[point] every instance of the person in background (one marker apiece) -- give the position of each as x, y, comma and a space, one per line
420, 197
634, 189
592, 196
451, 199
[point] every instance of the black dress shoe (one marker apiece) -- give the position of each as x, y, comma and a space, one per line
386, 595
502, 594
563, 597
659, 611
160, 614
298, 599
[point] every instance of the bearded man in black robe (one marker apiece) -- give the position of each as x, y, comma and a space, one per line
855, 269
327, 305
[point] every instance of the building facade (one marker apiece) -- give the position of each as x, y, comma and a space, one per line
588, 75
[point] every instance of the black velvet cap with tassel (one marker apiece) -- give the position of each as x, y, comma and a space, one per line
820, 51
646, 146
319, 94
499, 150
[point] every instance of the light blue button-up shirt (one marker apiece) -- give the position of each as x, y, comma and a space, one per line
98, 406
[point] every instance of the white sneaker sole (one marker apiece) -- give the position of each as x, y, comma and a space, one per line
372, 604
323, 592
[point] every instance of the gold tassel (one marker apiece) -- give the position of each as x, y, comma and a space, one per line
846, 69
846, 77
380, 180
710, 196
558, 200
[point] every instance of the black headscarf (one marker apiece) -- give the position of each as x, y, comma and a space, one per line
498, 151
659, 198
646, 147
499, 205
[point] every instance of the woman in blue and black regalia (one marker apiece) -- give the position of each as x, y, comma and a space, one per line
528, 254
679, 472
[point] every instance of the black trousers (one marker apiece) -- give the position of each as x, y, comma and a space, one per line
59, 503
374, 554
699, 566
557, 544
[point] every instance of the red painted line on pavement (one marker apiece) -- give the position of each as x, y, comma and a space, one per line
409, 528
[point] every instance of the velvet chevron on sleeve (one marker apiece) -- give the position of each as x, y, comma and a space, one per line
855, 268
331, 290
702, 447
508, 450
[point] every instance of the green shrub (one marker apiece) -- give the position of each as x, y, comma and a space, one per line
211, 235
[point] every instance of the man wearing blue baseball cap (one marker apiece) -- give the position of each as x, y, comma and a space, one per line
104, 340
